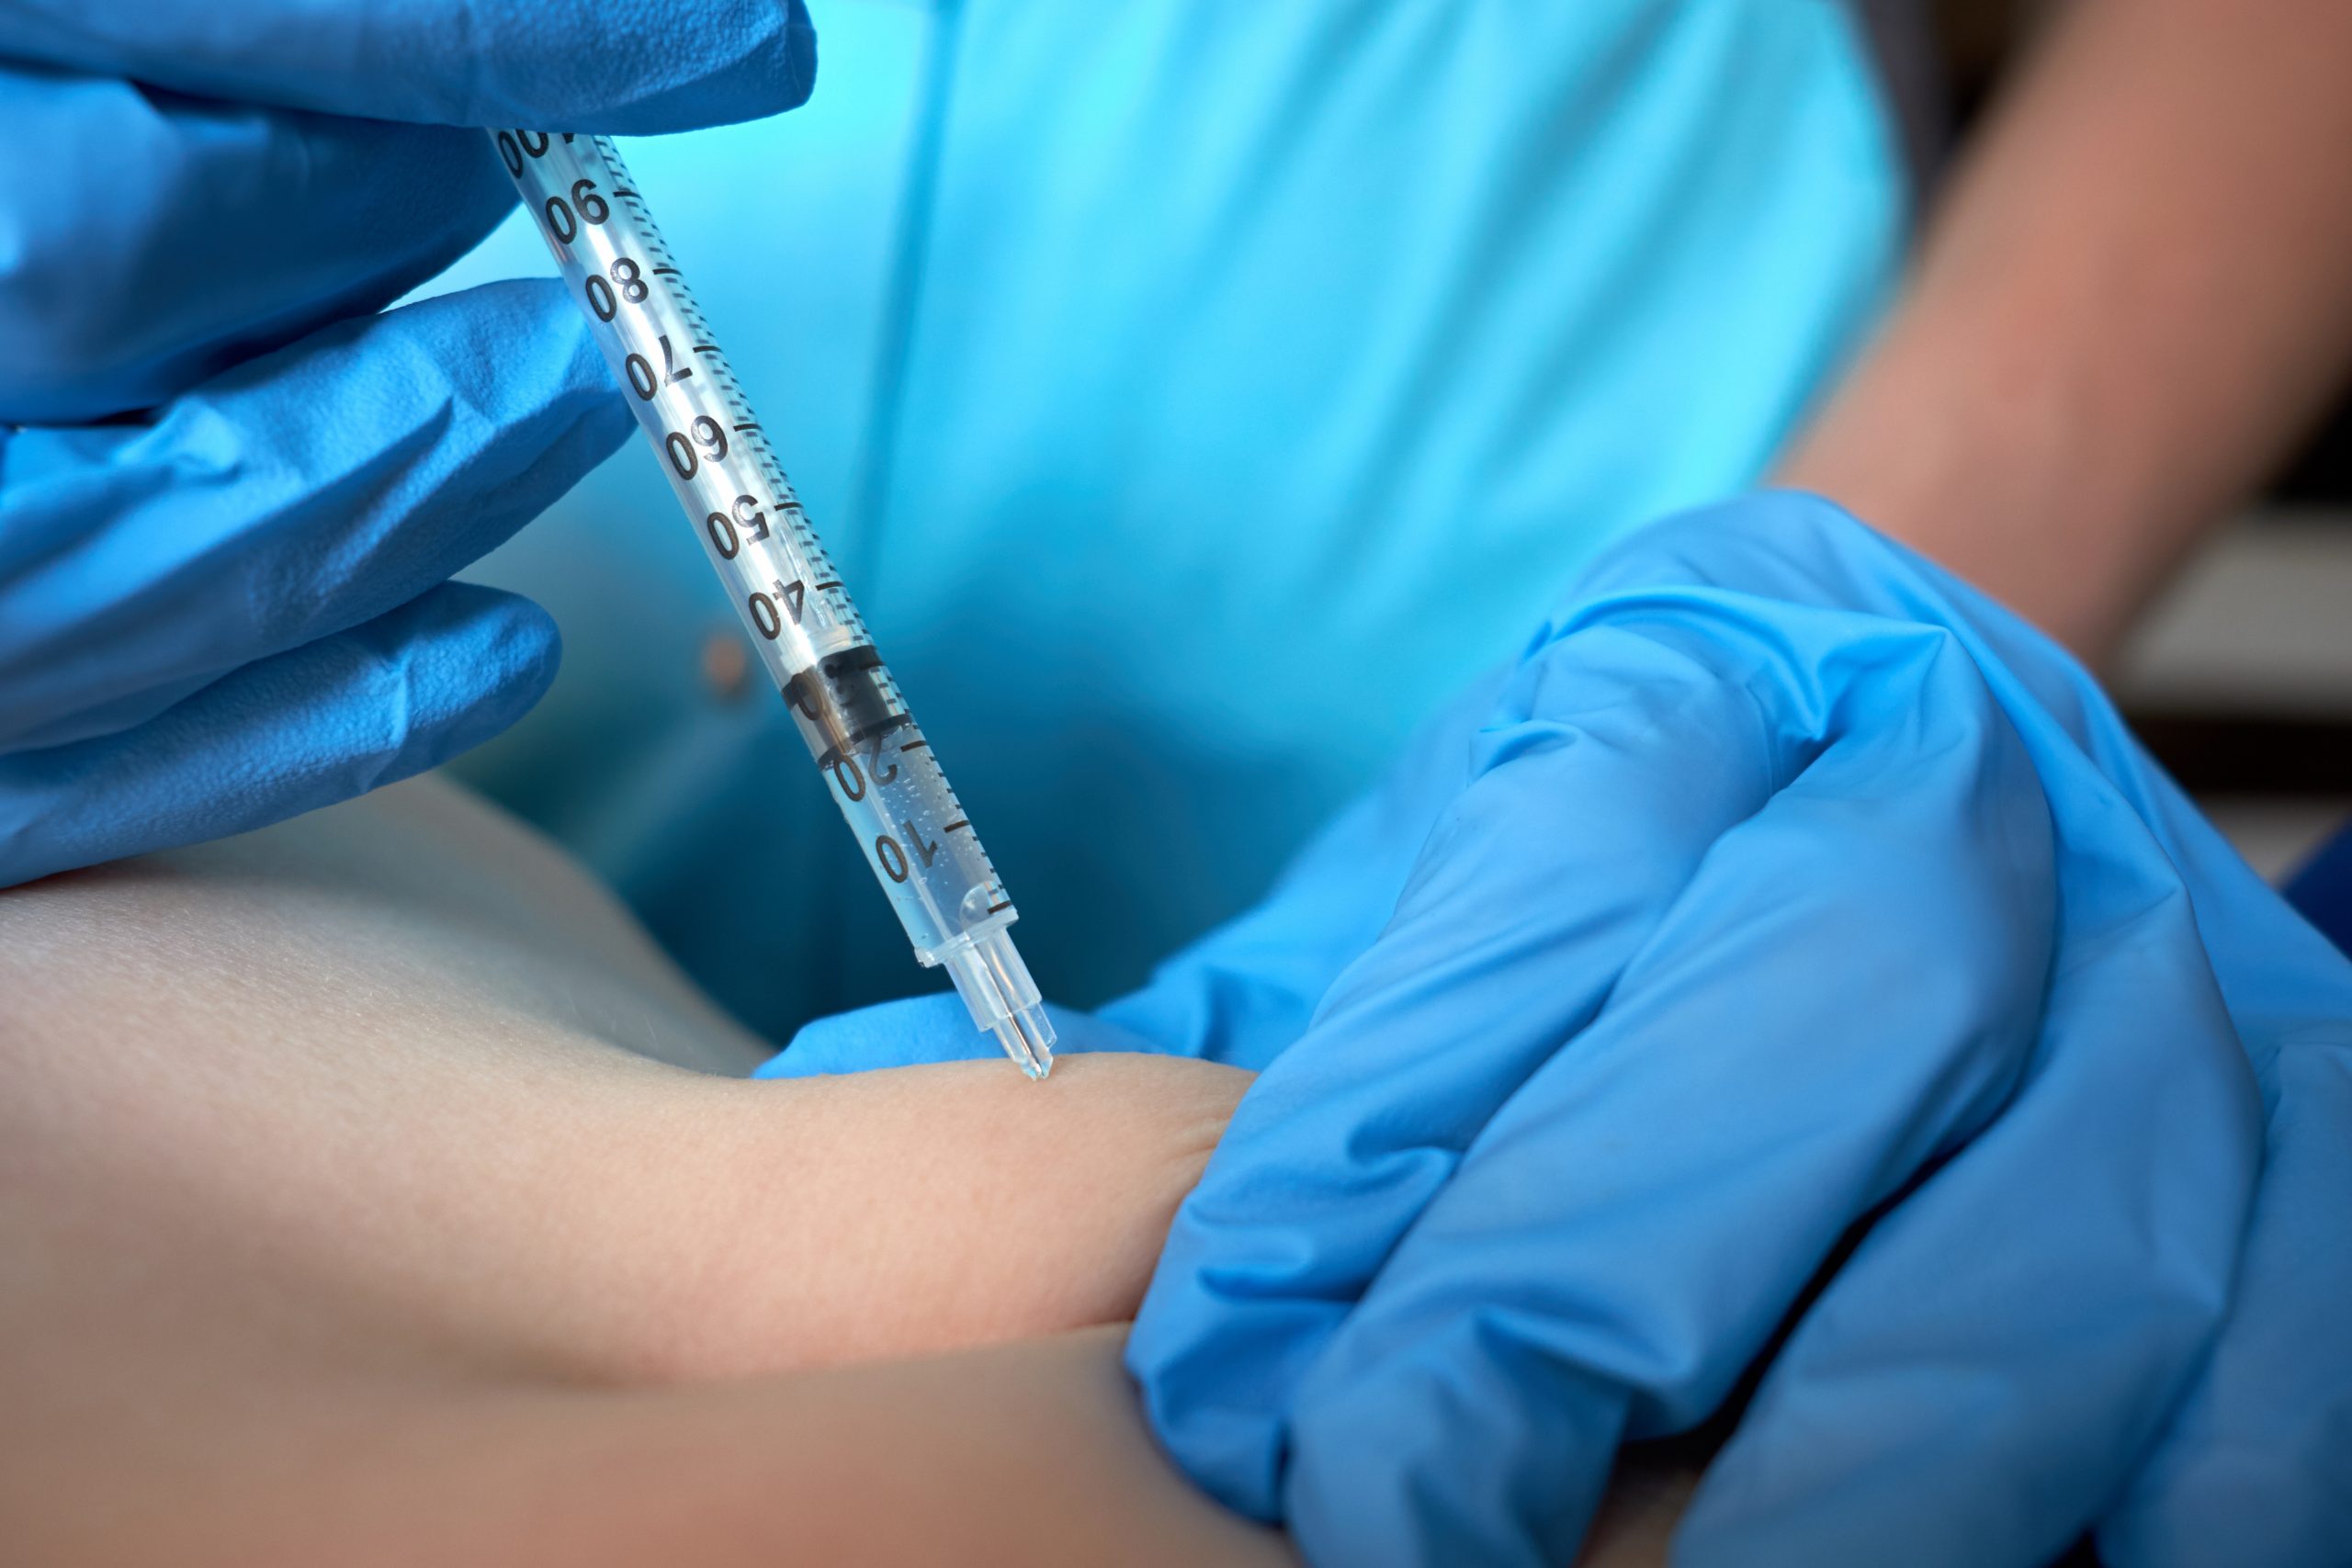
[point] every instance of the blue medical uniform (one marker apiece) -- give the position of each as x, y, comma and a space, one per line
1192, 395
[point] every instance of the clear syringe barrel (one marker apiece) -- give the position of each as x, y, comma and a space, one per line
880, 768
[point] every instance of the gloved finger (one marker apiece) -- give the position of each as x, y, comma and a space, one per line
553, 65
1844, 992
158, 238
322, 723
296, 496
1618, 754
2256, 1467
1980, 1379
155, 240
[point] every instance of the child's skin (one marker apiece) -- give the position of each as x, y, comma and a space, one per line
347, 1214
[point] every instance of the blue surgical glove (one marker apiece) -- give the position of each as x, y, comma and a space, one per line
1791, 943
231, 492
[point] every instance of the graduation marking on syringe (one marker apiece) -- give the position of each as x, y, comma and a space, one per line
716, 455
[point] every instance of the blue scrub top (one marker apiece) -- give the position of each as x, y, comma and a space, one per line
1192, 396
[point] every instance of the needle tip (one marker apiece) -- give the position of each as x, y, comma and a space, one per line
1028, 1039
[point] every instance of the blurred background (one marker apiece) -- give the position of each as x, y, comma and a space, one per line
1023, 304
2242, 680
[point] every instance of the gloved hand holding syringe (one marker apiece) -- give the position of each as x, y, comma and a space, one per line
878, 766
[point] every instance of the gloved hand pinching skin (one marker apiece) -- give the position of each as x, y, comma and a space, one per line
231, 492
1786, 893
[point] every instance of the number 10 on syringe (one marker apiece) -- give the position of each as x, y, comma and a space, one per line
876, 762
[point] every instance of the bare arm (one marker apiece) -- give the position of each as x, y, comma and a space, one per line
342, 1220
1030, 1453
388, 1054
2133, 297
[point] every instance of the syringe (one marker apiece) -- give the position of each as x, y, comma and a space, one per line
880, 769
